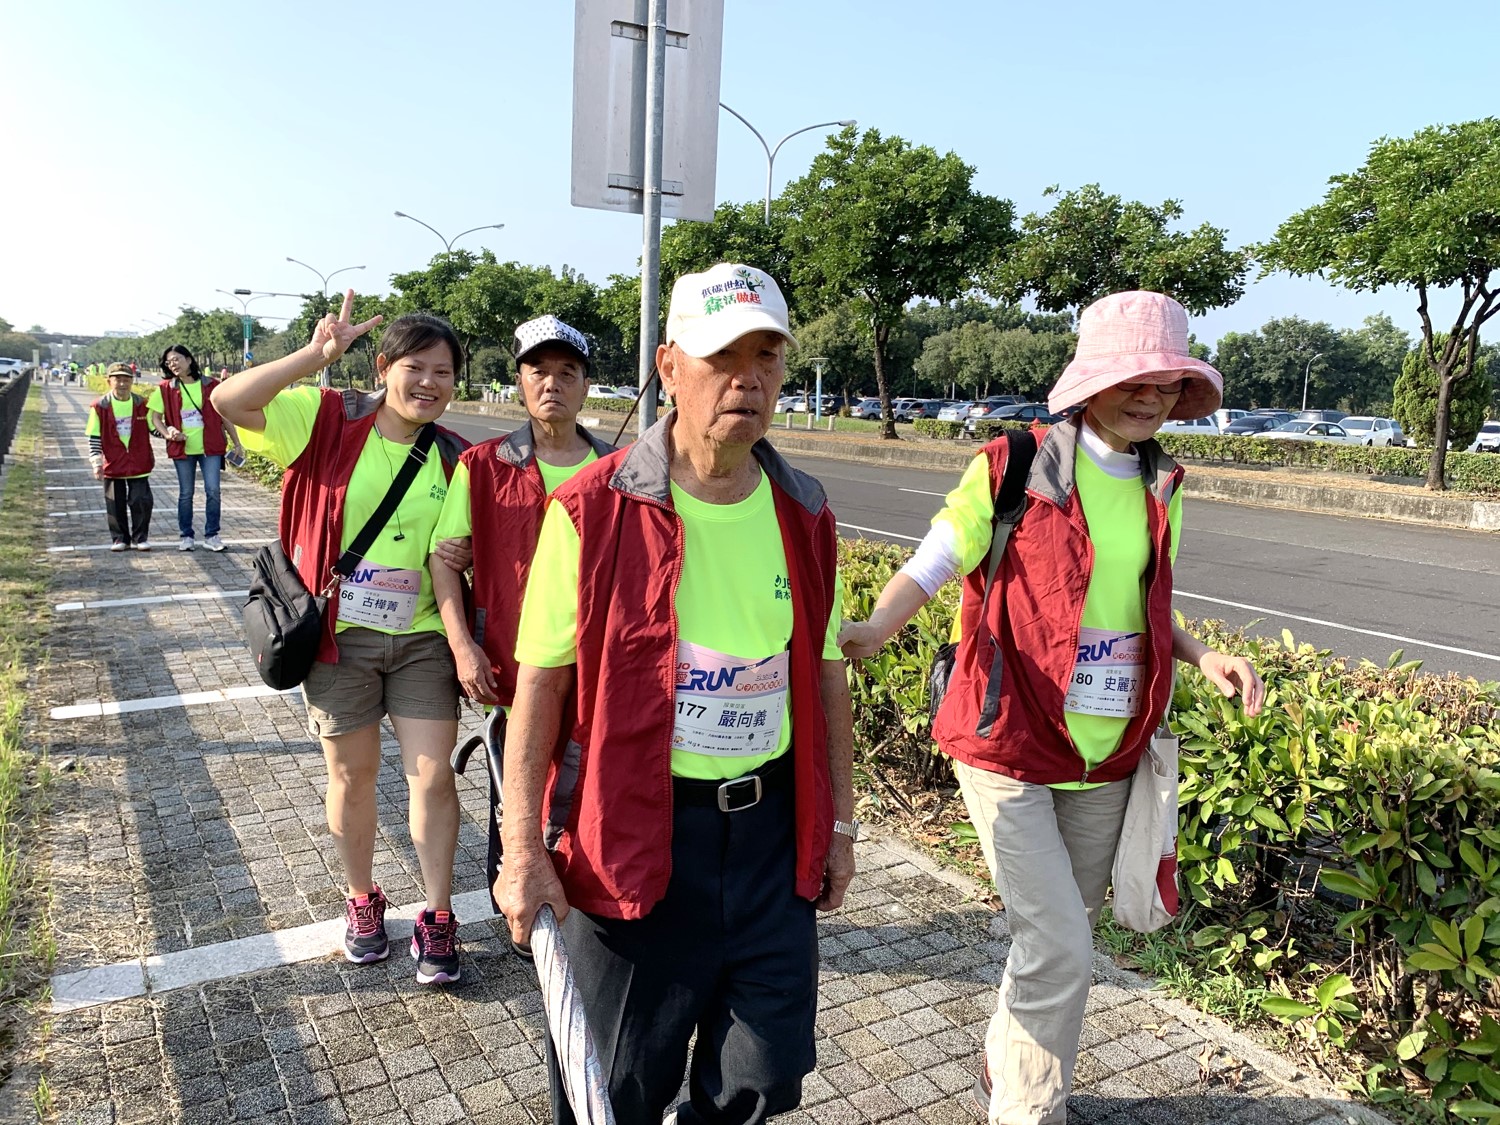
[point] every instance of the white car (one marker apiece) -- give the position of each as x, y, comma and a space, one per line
955, 412
14, 366
1365, 430
1310, 431
1226, 415
1203, 426
1487, 440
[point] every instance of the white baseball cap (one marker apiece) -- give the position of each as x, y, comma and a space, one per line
712, 309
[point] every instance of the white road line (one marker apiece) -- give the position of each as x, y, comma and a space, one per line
1339, 625
72, 487
113, 603
161, 702
922, 492
228, 510
877, 531
187, 968
107, 546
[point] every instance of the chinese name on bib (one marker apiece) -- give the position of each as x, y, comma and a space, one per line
1107, 674
728, 706
384, 597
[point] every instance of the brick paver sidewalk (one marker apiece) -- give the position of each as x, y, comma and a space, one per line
188, 846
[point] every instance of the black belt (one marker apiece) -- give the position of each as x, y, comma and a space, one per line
738, 793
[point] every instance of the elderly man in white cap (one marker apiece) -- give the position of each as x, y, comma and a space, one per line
1065, 665
678, 764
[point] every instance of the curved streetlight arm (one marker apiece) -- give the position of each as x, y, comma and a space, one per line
335, 273
771, 152
429, 226
304, 265
1307, 371
471, 230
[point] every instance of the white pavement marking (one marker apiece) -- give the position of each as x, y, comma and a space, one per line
113, 603
1340, 625
107, 546
72, 487
228, 510
877, 531
161, 702
921, 492
189, 967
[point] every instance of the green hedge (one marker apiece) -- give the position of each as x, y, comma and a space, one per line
933, 428
1468, 472
1339, 853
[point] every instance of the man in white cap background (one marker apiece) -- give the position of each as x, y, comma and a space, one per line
493, 511
678, 765
1065, 664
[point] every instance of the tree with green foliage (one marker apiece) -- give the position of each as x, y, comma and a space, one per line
881, 222
1423, 212
1415, 397
1092, 244
738, 232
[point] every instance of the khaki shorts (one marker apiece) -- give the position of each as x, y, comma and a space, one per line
410, 675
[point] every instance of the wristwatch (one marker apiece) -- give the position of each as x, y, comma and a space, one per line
848, 828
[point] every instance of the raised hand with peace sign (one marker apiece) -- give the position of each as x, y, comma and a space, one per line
333, 335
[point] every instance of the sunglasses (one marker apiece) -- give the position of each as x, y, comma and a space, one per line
1175, 388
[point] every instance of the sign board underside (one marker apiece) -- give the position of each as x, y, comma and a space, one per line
609, 106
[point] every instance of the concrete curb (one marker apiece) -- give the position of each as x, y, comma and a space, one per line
1240, 487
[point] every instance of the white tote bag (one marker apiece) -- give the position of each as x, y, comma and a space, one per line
1145, 874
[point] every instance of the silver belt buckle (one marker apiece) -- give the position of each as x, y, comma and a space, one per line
724, 793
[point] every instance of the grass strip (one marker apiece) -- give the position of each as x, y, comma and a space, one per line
27, 948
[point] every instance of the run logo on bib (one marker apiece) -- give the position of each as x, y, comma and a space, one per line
383, 597
728, 706
1107, 674
124, 425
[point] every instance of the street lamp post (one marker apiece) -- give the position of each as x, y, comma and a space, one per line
771, 152
245, 297
325, 377
447, 242
1306, 371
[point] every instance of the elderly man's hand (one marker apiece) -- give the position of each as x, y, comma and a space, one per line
838, 872
527, 880
456, 554
860, 639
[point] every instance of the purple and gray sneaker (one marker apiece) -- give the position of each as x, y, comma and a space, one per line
364, 936
435, 947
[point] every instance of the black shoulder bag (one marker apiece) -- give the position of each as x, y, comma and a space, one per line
283, 619
1010, 504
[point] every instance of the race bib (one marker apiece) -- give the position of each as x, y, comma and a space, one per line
384, 597
1107, 674
123, 426
727, 706
191, 420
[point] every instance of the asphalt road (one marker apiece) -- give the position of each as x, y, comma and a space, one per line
1360, 587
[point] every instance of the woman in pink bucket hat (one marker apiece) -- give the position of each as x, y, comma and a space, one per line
1063, 669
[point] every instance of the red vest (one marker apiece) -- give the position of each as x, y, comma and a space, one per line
121, 460
507, 497
1003, 711
315, 484
214, 441
607, 809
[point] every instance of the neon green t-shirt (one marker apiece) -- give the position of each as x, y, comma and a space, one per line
192, 403
403, 541
457, 520
1115, 511
743, 540
124, 412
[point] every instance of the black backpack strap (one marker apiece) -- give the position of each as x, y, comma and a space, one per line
389, 503
1010, 502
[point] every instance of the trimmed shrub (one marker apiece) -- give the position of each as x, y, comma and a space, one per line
1416, 395
933, 428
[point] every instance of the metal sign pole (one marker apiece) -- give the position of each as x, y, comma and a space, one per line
656, 75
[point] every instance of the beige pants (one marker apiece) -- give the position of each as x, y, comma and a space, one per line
1050, 851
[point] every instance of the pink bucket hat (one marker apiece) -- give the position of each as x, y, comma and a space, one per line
1136, 337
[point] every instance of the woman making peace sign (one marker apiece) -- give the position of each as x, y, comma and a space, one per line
383, 650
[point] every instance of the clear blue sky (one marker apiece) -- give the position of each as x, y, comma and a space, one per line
156, 150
